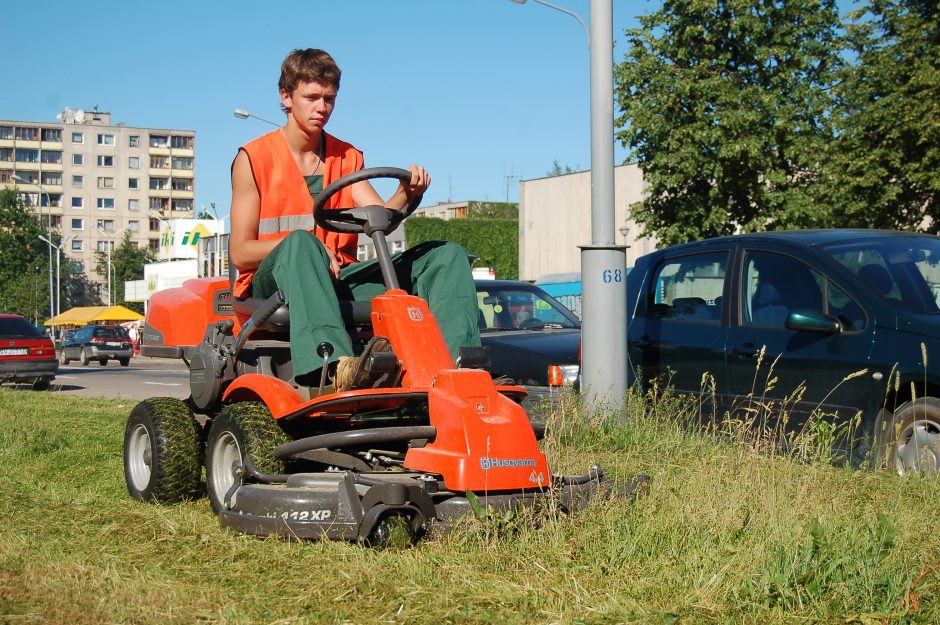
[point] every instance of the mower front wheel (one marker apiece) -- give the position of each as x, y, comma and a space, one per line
162, 451
240, 429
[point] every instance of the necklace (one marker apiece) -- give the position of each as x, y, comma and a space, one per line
319, 154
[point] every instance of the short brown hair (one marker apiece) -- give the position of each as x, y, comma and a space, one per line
310, 65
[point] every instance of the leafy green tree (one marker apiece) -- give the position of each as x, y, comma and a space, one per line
887, 163
559, 170
127, 263
24, 262
726, 107
492, 210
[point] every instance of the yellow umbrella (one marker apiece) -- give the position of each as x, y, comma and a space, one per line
117, 314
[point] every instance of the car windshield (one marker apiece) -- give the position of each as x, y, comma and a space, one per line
18, 328
110, 333
509, 308
902, 270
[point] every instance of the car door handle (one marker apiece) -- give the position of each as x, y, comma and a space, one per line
747, 350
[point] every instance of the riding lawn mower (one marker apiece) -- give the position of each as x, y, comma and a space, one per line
416, 444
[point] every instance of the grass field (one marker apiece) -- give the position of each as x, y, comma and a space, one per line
727, 534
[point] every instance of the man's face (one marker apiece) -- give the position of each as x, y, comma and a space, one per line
310, 104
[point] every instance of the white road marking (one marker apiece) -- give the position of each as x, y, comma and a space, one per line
163, 383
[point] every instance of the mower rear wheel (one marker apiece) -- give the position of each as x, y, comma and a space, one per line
63, 359
243, 428
84, 358
162, 451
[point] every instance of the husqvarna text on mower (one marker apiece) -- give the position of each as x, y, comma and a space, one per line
407, 447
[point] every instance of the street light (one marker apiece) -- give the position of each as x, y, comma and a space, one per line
21, 179
242, 114
584, 27
110, 240
603, 262
58, 273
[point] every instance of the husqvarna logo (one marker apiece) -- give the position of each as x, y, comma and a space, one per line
505, 463
415, 313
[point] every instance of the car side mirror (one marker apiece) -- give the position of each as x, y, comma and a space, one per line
813, 321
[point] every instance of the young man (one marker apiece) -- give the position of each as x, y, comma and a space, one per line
275, 244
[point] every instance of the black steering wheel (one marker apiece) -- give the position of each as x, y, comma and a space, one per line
367, 219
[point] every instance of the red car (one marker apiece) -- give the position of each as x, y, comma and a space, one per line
25, 354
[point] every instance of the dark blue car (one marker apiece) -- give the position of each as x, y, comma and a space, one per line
844, 323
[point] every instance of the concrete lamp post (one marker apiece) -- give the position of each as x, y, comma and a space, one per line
603, 262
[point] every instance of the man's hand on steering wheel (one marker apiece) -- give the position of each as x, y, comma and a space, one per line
420, 181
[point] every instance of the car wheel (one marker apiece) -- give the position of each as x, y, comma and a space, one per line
909, 440
243, 428
162, 451
42, 384
63, 359
124, 361
103, 362
84, 358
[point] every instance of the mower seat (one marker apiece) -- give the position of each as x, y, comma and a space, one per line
354, 313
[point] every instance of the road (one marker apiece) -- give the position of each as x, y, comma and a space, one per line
143, 378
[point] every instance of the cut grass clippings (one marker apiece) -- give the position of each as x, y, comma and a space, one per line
727, 534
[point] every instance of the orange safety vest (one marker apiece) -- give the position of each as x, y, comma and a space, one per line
286, 204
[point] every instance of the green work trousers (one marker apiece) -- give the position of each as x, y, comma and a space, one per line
436, 271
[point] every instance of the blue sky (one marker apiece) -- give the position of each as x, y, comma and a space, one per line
481, 92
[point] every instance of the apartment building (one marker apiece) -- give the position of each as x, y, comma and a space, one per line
93, 180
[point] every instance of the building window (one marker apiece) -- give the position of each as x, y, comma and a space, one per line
103, 246
133, 225
6, 176
78, 159
182, 143
6, 155
26, 134
77, 202
398, 246
25, 155
105, 161
133, 205
51, 156
52, 178
159, 162
105, 139
159, 184
182, 162
78, 181
106, 203
77, 245
362, 253
182, 205
133, 162
6, 132
78, 137
51, 199
158, 141
182, 184
30, 176
154, 245
105, 182
132, 183
133, 141
106, 225
154, 225
78, 223
52, 134
159, 203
